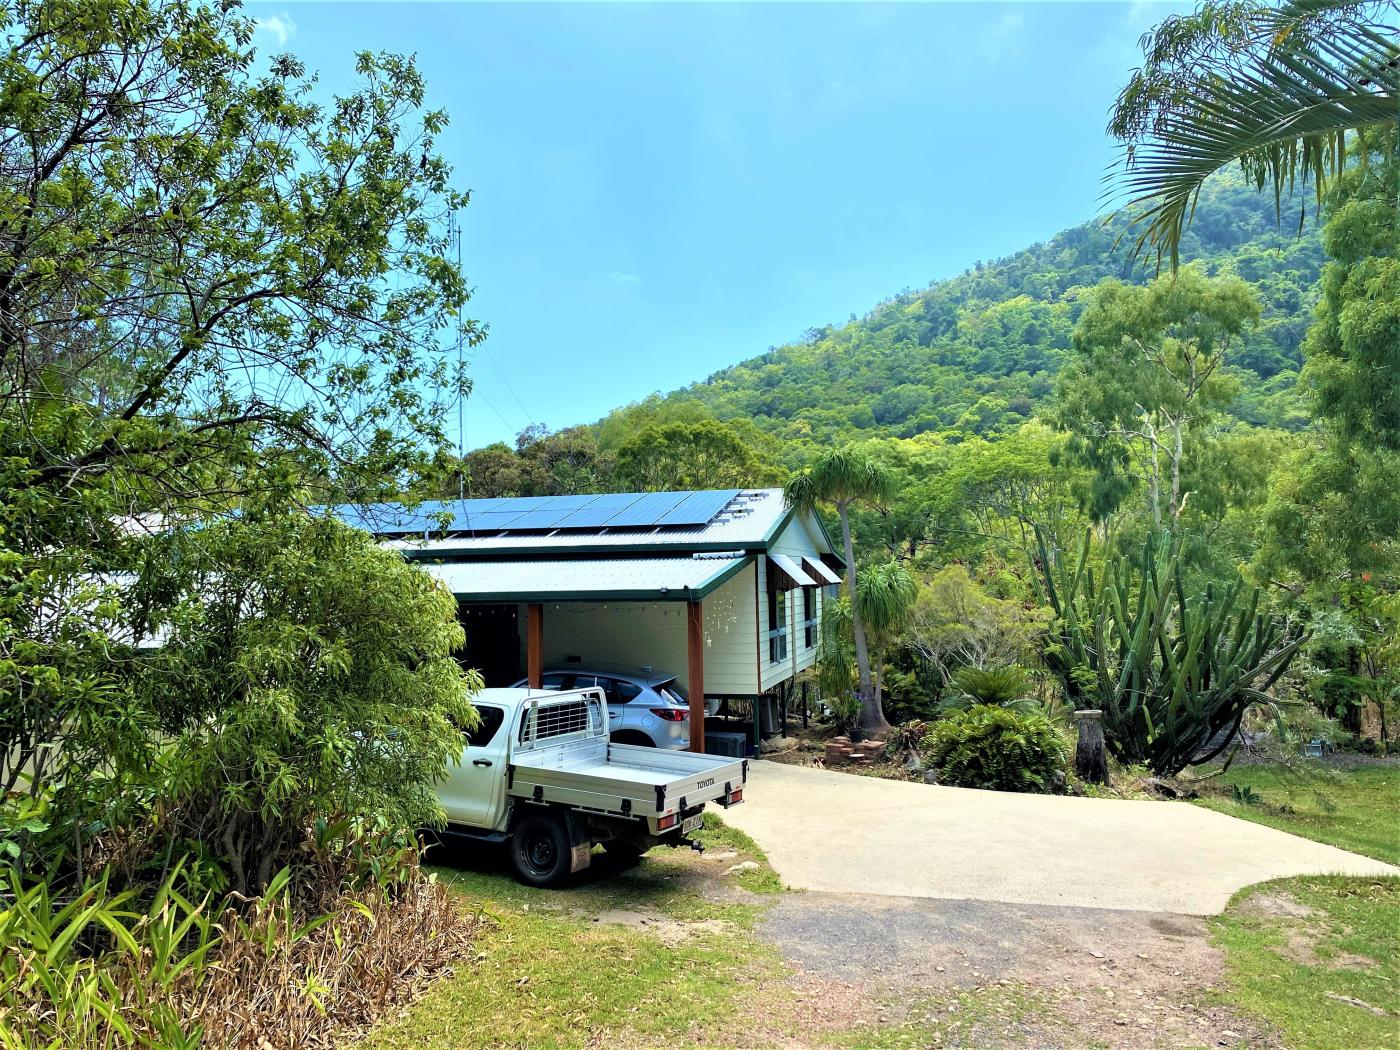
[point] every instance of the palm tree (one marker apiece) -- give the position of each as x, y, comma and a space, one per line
841, 477
1275, 89
885, 596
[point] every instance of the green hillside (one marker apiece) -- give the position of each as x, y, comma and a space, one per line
979, 352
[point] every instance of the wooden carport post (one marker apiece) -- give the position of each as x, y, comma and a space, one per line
695, 661
534, 645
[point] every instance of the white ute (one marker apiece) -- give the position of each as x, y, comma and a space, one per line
540, 775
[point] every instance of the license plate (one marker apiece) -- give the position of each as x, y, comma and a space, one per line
692, 823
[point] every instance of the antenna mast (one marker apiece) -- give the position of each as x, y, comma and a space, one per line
456, 234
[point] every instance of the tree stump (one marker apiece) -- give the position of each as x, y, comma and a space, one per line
1090, 757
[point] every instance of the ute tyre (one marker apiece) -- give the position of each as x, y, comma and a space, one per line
539, 851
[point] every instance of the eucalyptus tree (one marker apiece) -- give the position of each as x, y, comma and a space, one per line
842, 477
1148, 373
216, 281
1279, 90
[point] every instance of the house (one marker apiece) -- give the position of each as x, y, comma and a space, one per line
723, 588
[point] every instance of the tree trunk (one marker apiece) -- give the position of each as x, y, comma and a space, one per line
1154, 477
871, 719
1176, 469
1090, 758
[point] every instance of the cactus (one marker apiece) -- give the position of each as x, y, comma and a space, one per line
1169, 672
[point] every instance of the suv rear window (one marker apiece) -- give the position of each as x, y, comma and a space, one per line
624, 692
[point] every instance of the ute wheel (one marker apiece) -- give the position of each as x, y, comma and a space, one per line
628, 854
539, 851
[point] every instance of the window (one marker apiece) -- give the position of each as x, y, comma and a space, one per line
624, 692
809, 616
777, 626
485, 732
556, 682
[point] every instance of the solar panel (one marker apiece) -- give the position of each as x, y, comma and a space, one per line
646, 510
393, 517
479, 505
520, 504
538, 519
698, 507
487, 521
586, 518
564, 503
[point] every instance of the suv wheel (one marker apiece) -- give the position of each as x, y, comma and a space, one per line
631, 736
539, 851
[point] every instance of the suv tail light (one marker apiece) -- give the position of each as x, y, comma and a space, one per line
669, 714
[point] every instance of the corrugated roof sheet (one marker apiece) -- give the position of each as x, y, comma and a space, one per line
819, 569
792, 569
616, 579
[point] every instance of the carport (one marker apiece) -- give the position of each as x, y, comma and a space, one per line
662, 597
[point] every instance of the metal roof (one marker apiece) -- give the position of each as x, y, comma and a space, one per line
749, 519
602, 579
792, 569
819, 569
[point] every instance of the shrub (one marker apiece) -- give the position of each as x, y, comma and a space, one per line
305, 673
105, 970
997, 748
992, 686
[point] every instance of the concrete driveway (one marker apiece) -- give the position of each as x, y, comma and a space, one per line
842, 833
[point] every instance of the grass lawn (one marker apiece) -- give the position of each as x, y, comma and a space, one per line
1356, 808
1317, 958
624, 959
667, 954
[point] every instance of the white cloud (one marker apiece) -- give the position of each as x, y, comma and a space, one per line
623, 279
279, 26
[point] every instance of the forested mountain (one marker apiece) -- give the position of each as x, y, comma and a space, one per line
979, 352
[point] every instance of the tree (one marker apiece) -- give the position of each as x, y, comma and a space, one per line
843, 477
885, 594
195, 258
955, 623
213, 289
1275, 90
1148, 375
703, 455
561, 463
303, 672
492, 471
1335, 511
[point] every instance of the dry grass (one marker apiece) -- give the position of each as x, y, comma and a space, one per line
88, 971
267, 988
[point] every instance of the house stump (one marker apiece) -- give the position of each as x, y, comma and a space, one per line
1090, 757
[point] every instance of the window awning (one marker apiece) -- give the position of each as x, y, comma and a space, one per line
786, 572
818, 568
592, 579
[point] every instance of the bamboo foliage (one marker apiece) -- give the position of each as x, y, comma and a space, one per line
1170, 672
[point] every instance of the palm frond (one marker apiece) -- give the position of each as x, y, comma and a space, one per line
1319, 73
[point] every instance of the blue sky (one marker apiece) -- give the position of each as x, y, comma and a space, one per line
663, 190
